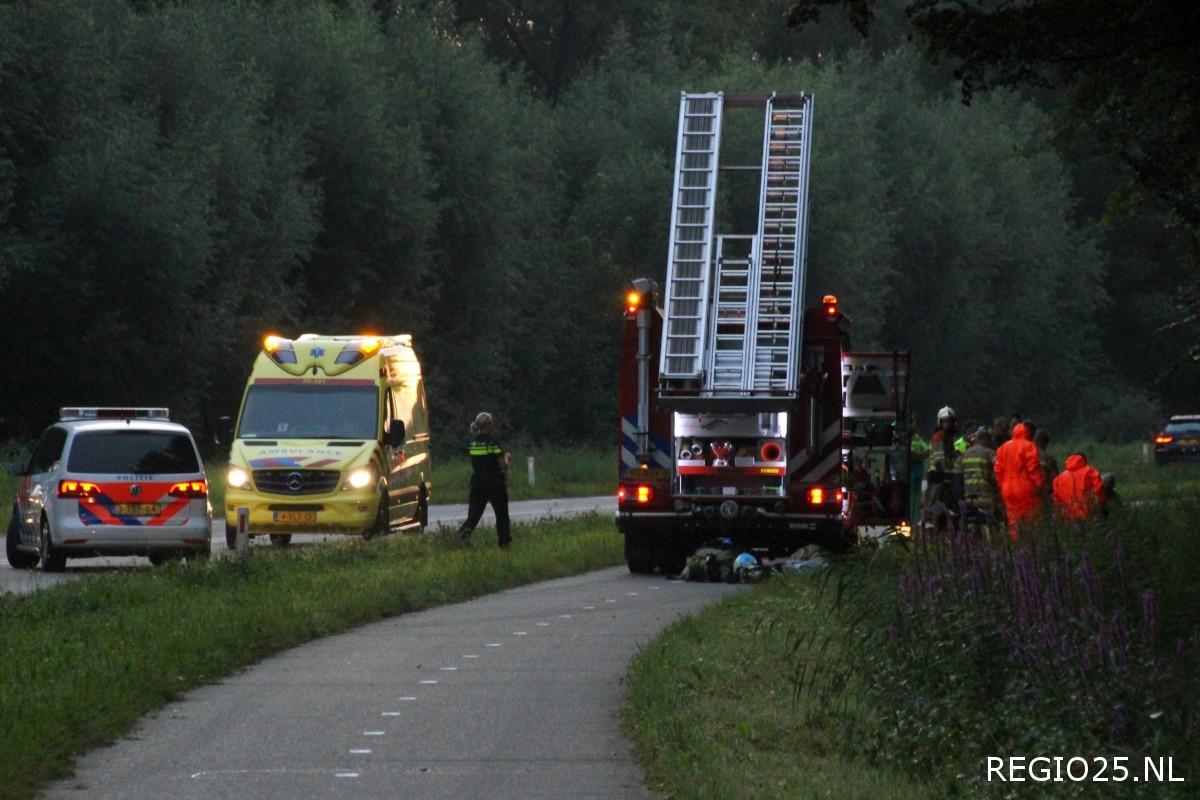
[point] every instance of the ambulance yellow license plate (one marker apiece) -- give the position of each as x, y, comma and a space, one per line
296, 516
137, 509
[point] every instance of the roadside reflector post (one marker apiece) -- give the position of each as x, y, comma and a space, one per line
532, 471
243, 531
1145, 453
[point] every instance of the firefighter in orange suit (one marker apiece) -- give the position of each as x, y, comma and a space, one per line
1079, 489
1020, 477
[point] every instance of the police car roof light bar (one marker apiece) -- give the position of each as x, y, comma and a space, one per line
95, 412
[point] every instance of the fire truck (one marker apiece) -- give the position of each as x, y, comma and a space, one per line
743, 412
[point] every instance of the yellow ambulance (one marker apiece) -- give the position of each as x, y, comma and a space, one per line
332, 437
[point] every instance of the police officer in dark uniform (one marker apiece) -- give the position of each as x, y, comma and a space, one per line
489, 482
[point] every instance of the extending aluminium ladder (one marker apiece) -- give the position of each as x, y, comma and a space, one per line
688, 266
739, 336
731, 330
777, 296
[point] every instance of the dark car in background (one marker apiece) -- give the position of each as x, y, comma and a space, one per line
1179, 440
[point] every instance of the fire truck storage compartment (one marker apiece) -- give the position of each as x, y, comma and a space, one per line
731, 455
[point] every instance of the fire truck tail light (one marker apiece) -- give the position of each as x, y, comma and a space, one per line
816, 496
1164, 439
644, 494
193, 489
621, 494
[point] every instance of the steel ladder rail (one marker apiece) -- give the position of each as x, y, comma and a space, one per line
689, 261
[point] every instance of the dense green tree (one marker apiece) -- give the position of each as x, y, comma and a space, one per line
1123, 75
178, 178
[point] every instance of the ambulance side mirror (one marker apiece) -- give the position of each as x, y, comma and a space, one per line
394, 436
17, 469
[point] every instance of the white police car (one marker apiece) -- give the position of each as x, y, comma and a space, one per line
110, 481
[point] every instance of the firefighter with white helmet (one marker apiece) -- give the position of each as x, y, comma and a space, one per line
944, 456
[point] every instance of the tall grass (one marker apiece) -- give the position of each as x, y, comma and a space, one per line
1082, 640
80, 662
897, 671
560, 471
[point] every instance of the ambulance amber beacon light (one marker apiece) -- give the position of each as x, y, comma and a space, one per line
279, 349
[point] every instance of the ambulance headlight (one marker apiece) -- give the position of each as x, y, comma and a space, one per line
360, 478
237, 478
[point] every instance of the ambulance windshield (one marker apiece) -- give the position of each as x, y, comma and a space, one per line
310, 411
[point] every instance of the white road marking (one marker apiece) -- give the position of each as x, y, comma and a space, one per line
493, 644
655, 588
361, 751
610, 600
345, 775
564, 616
449, 669
406, 698
589, 608
631, 594
391, 713
543, 624
429, 682
471, 655
520, 633
373, 733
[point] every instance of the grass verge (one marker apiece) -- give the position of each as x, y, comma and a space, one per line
81, 662
560, 472
898, 672
714, 711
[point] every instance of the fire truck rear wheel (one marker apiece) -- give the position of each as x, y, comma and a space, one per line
671, 561
841, 541
639, 556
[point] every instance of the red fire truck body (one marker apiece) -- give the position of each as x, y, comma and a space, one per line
780, 485
732, 393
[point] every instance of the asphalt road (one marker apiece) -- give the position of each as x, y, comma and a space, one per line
512, 695
21, 581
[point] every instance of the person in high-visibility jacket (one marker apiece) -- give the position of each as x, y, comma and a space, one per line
1019, 475
1078, 489
944, 468
944, 455
979, 476
489, 479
